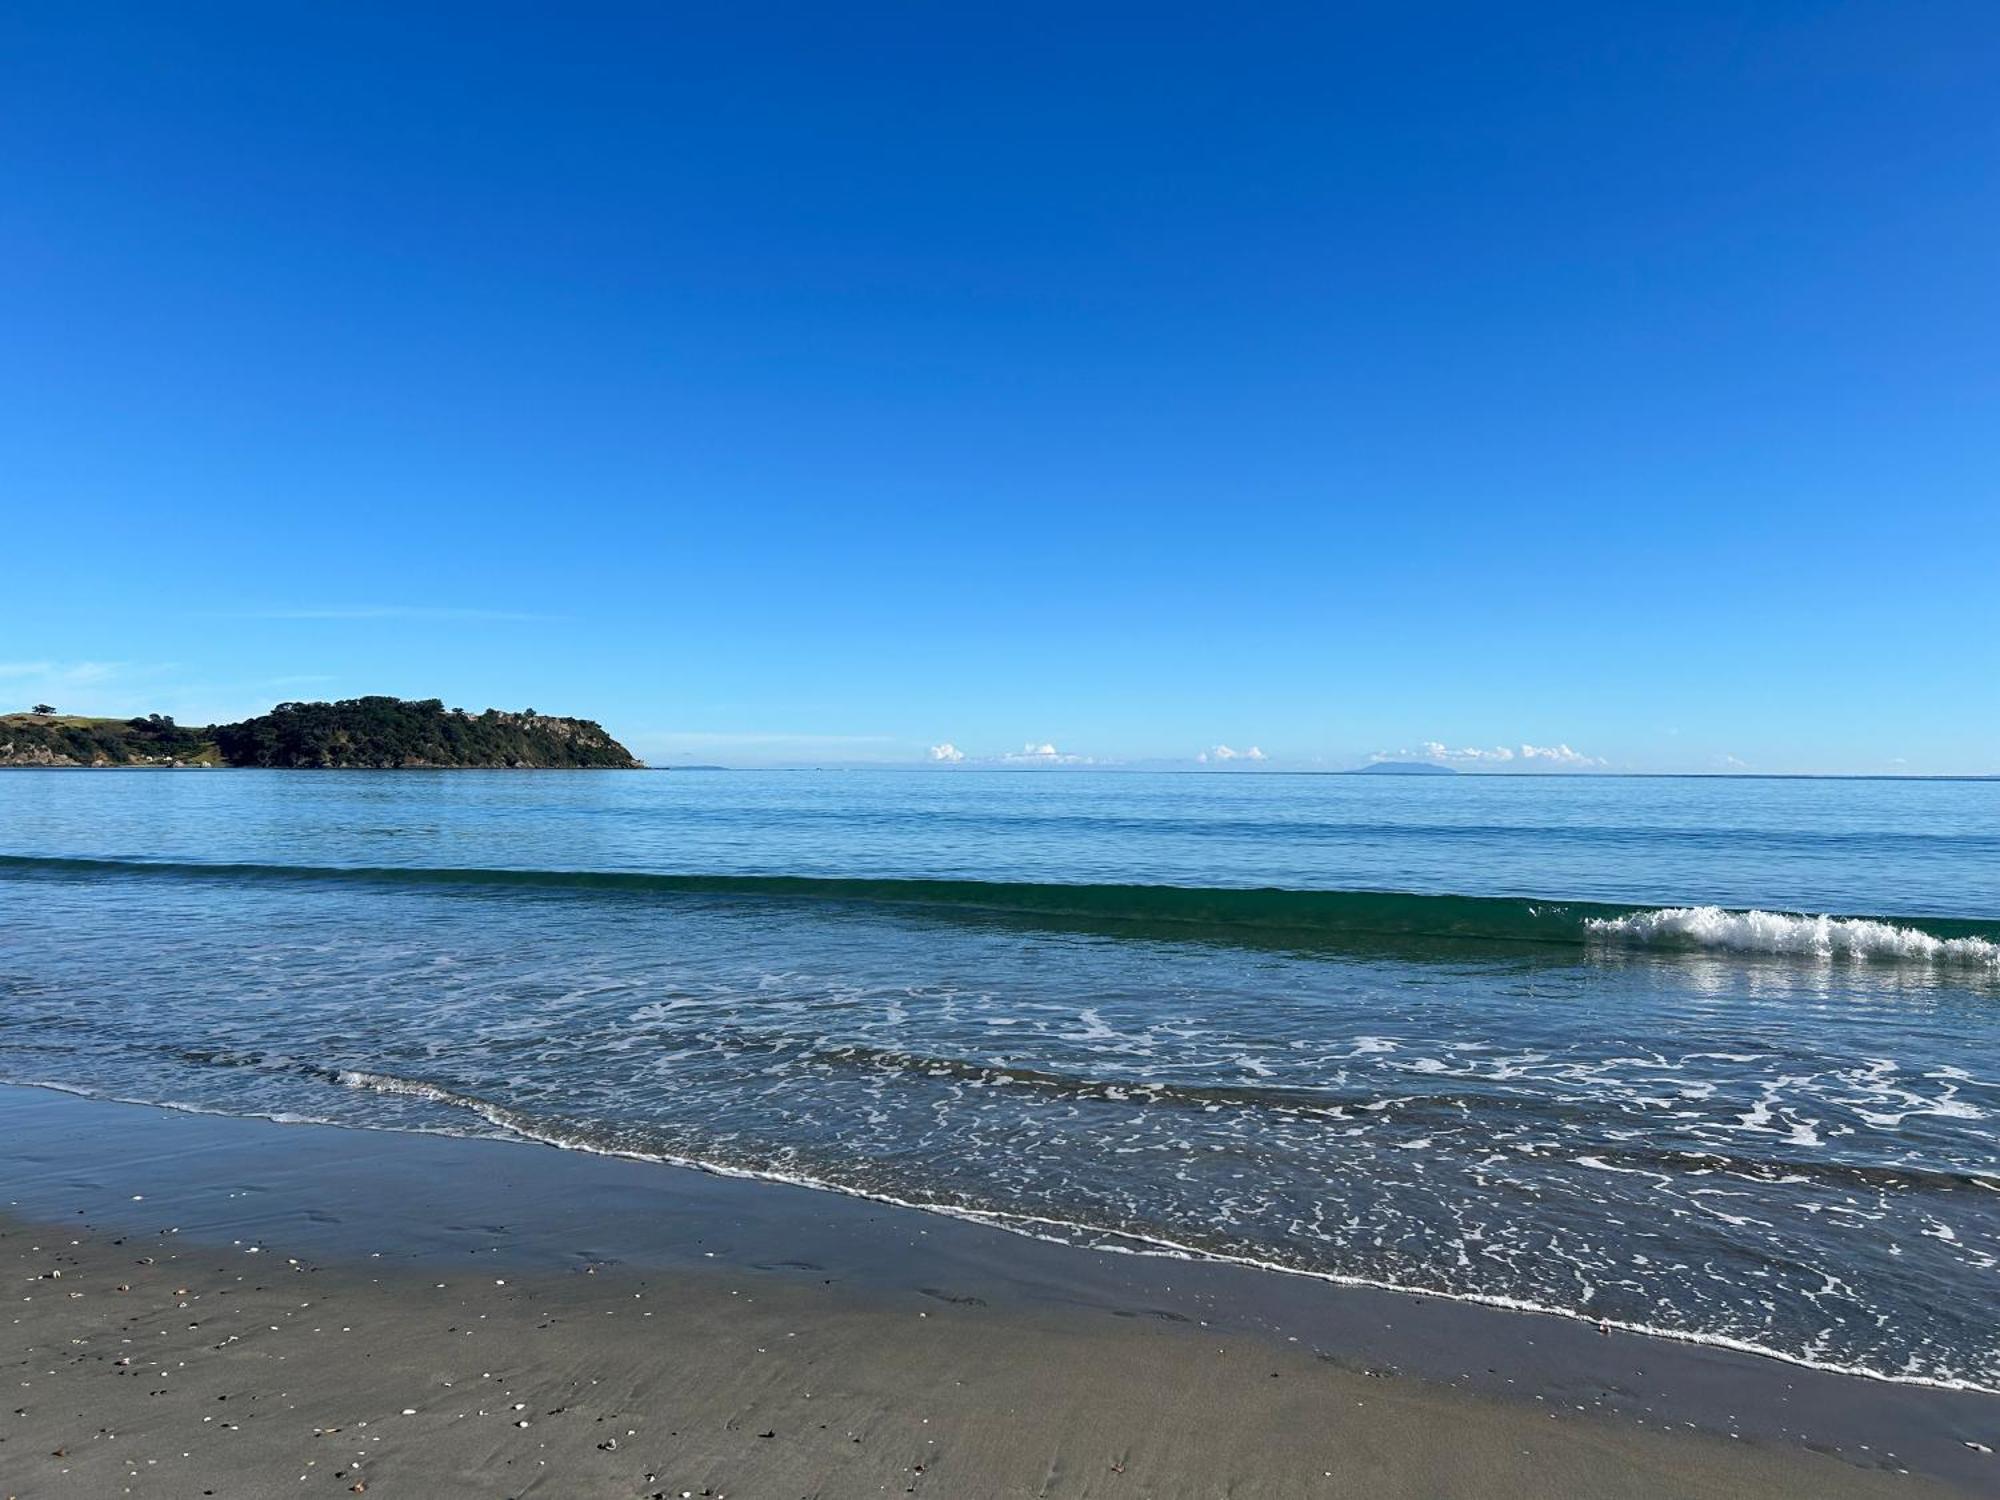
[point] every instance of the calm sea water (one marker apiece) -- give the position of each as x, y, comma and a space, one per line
1599, 1048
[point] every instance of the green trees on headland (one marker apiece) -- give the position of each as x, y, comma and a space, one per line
383, 733
374, 733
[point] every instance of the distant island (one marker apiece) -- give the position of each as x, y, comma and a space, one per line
375, 734
1401, 768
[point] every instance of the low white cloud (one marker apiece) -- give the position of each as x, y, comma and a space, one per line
1442, 753
1561, 755
1031, 753
1042, 753
1438, 752
1223, 752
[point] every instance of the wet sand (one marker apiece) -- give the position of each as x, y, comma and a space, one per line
211, 1306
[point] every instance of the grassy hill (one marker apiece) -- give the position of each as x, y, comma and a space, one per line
374, 733
72, 740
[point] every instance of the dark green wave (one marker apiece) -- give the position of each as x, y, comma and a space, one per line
1246, 914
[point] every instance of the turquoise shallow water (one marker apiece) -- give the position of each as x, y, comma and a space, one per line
1715, 1058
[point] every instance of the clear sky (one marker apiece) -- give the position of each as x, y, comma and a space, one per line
830, 382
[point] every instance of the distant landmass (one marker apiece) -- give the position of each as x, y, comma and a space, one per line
1402, 768
375, 733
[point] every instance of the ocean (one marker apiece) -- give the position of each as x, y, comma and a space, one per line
1715, 1059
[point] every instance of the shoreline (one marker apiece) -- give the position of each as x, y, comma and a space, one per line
382, 1215
1068, 1234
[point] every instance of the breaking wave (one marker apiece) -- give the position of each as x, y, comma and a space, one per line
1216, 913
1823, 937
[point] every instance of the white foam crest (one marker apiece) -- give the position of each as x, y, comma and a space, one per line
511, 1120
1784, 933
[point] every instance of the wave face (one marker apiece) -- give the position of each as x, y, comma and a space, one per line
1676, 1099
1212, 912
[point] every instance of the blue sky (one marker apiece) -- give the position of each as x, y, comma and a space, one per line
800, 384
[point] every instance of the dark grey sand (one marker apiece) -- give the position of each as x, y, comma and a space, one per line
208, 1306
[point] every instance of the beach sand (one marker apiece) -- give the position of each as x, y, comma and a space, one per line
148, 1351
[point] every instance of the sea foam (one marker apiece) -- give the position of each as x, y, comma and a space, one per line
1714, 927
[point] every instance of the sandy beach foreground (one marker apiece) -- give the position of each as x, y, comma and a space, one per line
194, 1311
